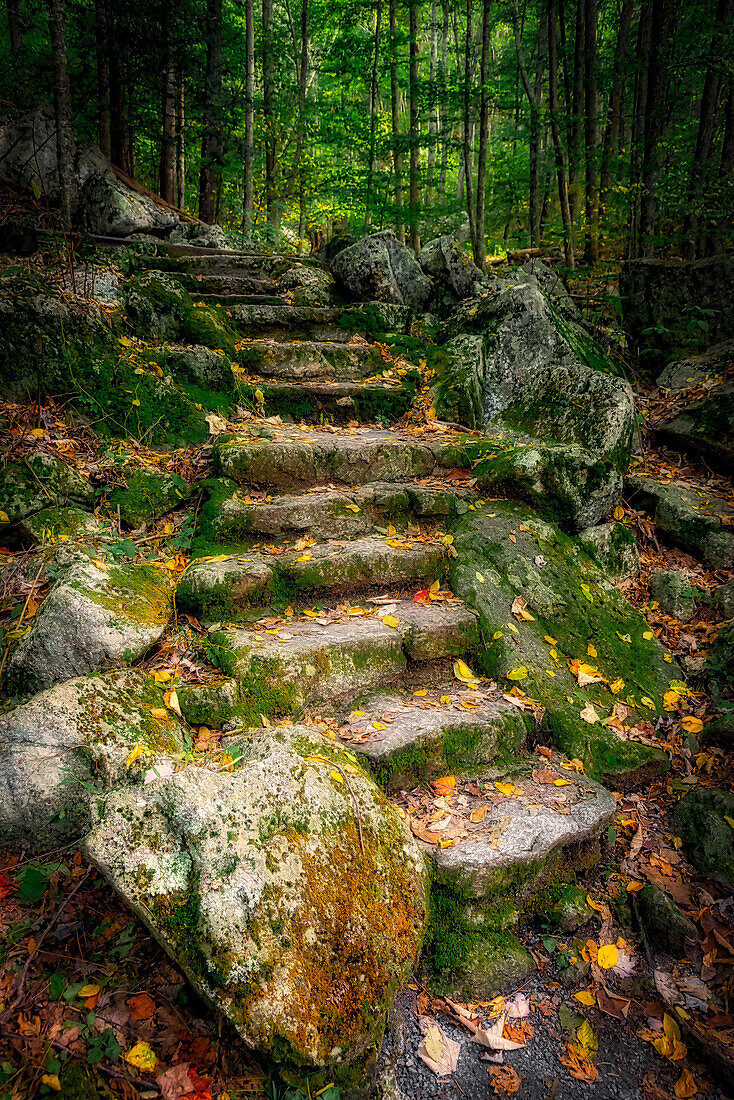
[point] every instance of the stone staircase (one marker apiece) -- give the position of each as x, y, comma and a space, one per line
320, 576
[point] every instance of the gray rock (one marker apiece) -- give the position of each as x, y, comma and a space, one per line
311, 286
200, 235
257, 885
674, 593
96, 617
147, 495
723, 648
662, 301
216, 588
705, 425
209, 368
61, 748
57, 524
700, 821
445, 260
379, 267
690, 518
613, 547
714, 361
109, 208
724, 597
42, 481
664, 921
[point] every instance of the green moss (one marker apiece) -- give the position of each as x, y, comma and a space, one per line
147, 496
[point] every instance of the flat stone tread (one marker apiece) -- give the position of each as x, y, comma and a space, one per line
286, 314
519, 829
408, 721
350, 388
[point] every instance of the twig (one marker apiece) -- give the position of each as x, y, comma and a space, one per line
54, 920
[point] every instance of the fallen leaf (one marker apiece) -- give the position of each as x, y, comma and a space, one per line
141, 1006
504, 1079
439, 1053
685, 1087
608, 956
142, 1057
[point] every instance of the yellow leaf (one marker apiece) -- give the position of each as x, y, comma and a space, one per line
125, 342
304, 557
686, 1087
549, 640
618, 512
671, 700
336, 776
670, 1028
226, 762
478, 814
497, 635
480, 578
390, 620
142, 1057
137, 751
561, 783
691, 724
587, 1039
729, 821
38, 433
648, 635
464, 673
433, 1043
633, 887
391, 531
353, 508
135, 402
90, 990
357, 713
4, 517
52, 1081
608, 956
647, 702
591, 651
260, 397
520, 673
616, 686
585, 997
171, 701
508, 788
421, 692
160, 675
445, 699
379, 726
435, 588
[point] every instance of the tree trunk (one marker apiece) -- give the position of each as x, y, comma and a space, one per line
167, 172
248, 201
444, 111
591, 135
479, 245
65, 144
654, 126
644, 32
373, 117
16, 32
118, 129
103, 78
560, 153
432, 106
414, 194
395, 110
575, 142
271, 164
180, 140
611, 131
534, 95
468, 122
212, 137
706, 123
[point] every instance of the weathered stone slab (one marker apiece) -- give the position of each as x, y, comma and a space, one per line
691, 518
216, 587
363, 563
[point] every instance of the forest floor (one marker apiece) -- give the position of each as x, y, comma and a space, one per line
81, 979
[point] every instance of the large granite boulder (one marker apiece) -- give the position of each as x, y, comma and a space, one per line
546, 610
287, 888
448, 264
380, 268
97, 616
670, 307
72, 742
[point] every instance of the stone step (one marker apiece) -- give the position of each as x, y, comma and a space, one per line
409, 740
292, 458
229, 516
227, 283
689, 517
318, 322
231, 300
336, 402
300, 360
306, 663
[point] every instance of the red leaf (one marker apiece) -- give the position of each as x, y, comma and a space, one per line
7, 886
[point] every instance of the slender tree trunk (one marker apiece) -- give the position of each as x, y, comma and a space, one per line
480, 249
167, 171
560, 153
211, 139
534, 95
103, 78
611, 131
395, 112
118, 129
248, 202
591, 134
180, 140
706, 123
564, 58
271, 165
644, 34
468, 121
432, 106
374, 92
65, 144
415, 137
302, 79
575, 143
16, 31
654, 125
726, 169
444, 111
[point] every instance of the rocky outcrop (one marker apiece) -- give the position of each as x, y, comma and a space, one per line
72, 742
287, 888
716, 361
42, 481
690, 518
669, 307
706, 424
613, 547
96, 617
446, 262
379, 267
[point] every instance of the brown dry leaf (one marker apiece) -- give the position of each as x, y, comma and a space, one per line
504, 1079
582, 1069
493, 1037
520, 611
611, 1003
440, 1053
685, 1087
175, 1082
141, 1006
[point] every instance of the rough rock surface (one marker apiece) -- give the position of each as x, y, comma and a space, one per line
711, 363
708, 839
95, 617
674, 593
613, 547
706, 425
506, 551
147, 495
217, 587
380, 267
41, 481
257, 885
690, 518
64, 744
664, 921
52, 524
445, 260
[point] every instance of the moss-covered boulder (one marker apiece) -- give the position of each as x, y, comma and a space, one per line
40, 481
674, 593
288, 890
216, 588
700, 819
159, 305
62, 747
97, 616
147, 495
613, 547
572, 612
207, 368
58, 525
664, 921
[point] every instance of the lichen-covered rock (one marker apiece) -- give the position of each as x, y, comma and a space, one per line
445, 260
724, 597
257, 884
379, 267
217, 587
506, 551
311, 286
712, 363
159, 305
97, 616
708, 838
42, 481
66, 744
706, 424
147, 495
722, 650
613, 547
207, 368
54, 524
675, 594
691, 518
110, 208
569, 910
663, 920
